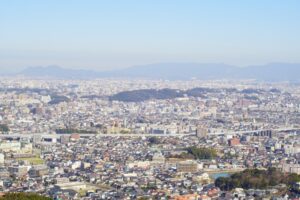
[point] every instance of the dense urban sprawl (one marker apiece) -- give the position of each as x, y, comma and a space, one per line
146, 139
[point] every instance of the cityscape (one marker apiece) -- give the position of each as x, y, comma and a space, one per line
149, 100
95, 139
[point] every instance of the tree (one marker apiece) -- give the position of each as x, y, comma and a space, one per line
154, 140
202, 153
4, 128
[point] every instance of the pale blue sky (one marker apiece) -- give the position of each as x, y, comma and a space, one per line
110, 34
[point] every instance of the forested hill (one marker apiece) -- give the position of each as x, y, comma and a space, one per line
147, 94
23, 196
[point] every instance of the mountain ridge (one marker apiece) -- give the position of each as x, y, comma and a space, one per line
176, 71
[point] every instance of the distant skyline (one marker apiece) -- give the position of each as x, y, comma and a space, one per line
104, 35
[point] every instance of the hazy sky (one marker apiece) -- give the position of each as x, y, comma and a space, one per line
110, 34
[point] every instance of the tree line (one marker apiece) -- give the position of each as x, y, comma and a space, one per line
71, 130
257, 179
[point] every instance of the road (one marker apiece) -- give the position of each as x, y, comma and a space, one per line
43, 135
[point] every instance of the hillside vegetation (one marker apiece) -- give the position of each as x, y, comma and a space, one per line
23, 196
256, 179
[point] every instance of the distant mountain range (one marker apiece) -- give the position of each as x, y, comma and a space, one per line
176, 71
